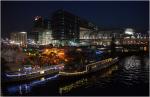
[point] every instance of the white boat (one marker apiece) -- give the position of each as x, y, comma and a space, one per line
24, 76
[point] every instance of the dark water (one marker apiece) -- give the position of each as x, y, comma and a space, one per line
130, 76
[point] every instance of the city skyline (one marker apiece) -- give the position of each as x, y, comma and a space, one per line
18, 16
76, 48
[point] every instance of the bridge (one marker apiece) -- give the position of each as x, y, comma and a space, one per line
122, 44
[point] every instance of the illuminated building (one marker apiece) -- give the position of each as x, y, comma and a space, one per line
41, 31
87, 29
84, 33
69, 28
46, 37
19, 38
65, 25
101, 36
37, 29
64, 28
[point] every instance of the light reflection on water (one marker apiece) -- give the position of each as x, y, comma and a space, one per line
130, 71
87, 81
26, 88
19, 89
131, 63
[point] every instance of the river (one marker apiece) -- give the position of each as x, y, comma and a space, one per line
128, 77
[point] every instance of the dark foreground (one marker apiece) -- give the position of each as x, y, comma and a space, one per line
128, 77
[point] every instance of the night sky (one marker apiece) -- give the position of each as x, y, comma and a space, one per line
18, 15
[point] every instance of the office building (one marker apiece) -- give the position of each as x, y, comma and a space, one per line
41, 31
65, 26
19, 38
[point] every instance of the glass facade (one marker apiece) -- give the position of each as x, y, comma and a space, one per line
46, 37
65, 25
41, 32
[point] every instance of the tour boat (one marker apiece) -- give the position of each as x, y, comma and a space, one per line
24, 76
92, 67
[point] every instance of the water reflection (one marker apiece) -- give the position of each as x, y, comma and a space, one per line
19, 89
77, 84
132, 71
26, 88
131, 63
87, 81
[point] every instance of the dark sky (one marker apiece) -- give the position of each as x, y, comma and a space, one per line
18, 15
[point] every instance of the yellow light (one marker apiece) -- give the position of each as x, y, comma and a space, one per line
145, 48
42, 72
61, 54
79, 49
42, 78
66, 60
46, 50
55, 61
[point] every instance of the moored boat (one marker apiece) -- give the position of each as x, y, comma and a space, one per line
92, 67
27, 76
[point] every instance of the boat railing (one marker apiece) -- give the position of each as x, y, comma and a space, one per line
88, 66
33, 72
